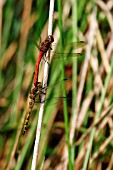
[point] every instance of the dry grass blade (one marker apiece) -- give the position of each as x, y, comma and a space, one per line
8, 55
87, 58
102, 148
102, 50
84, 109
104, 114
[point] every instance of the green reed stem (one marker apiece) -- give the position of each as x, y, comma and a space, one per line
64, 90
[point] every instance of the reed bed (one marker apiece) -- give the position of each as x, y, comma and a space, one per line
77, 124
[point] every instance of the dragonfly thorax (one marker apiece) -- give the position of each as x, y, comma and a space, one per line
46, 44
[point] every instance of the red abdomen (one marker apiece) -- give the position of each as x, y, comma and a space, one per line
37, 68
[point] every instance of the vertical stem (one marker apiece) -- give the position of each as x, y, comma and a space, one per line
46, 70
74, 89
64, 91
1, 7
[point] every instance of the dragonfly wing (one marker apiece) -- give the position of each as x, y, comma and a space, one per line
68, 48
58, 55
51, 100
74, 45
53, 86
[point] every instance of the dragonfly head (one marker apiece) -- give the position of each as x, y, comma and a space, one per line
50, 38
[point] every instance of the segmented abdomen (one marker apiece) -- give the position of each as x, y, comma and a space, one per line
32, 97
37, 68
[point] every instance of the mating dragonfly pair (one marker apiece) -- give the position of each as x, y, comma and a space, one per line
37, 89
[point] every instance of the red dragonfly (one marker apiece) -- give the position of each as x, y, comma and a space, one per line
43, 48
46, 45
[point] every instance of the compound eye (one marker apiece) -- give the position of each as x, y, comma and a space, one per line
51, 38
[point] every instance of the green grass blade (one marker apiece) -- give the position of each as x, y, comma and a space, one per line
74, 75
64, 91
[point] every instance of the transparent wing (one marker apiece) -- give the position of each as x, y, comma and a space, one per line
65, 50
55, 88
58, 55
74, 45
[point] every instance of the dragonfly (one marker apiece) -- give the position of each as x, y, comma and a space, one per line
35, 97
46, 45
32, 98
37, 89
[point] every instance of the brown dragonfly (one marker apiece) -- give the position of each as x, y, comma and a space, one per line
35, 97
46, 45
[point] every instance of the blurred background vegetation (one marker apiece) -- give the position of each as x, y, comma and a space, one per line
90, 85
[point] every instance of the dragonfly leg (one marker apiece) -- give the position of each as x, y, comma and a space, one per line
43, 92
40, 41
40, 99
45, 59
38, 45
